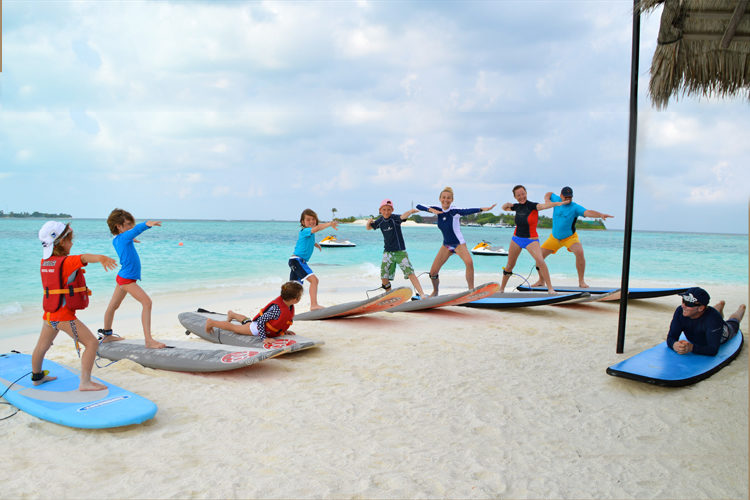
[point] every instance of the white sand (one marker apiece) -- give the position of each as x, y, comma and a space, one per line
458, 403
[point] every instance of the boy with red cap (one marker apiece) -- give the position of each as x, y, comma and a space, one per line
394, 251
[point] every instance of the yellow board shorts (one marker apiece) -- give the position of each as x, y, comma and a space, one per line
553, 244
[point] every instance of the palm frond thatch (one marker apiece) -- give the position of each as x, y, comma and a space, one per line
703, 48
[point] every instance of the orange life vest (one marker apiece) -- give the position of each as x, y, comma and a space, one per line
73, 294
278, 326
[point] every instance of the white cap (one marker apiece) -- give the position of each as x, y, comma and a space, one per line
49, 234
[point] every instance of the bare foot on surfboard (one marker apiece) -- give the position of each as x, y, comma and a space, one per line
720, 307
155, 344
92, 386
46, 378
316, 307
111, 338
210, 325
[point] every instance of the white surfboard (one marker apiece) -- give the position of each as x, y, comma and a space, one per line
187, 356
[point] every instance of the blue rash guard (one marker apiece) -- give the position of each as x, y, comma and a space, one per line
305, 244
449, 223
704, 333
564, 218
125, 248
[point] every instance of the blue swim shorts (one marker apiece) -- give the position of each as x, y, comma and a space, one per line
299, 270
524, 242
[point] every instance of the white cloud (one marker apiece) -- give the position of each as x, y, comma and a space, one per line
388, 174
359, 113
322, 98
23, 155
363, 41
407, 148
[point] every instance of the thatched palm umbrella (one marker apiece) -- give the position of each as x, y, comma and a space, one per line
703, 48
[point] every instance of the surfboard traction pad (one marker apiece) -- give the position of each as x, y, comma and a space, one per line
522, 299
378, 303
184, 356
454, 299
59, 401
195, 323
652, 364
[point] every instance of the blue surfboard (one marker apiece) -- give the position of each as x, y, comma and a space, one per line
660, 365
61, 402
633, 293
520, 299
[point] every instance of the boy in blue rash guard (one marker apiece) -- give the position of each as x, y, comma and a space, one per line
122, 224
303, 250
394, 248
703, 325
453, 241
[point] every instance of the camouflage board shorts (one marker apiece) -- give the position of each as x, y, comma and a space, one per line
388, 266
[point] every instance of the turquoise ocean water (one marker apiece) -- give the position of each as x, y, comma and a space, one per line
221, 253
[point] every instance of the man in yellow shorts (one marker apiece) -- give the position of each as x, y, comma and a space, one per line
564, 230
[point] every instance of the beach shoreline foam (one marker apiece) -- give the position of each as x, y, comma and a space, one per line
455, 403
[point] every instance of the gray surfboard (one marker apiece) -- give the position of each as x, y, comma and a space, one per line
195, 323
187, 356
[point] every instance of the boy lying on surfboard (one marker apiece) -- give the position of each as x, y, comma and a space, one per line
272, 321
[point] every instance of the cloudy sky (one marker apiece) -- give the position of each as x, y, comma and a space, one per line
257, 110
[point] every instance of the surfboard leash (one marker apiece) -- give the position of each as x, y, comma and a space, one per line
525, 279
381, 287
96, 360
7, 389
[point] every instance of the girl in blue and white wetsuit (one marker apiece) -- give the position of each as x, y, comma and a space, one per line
453, 241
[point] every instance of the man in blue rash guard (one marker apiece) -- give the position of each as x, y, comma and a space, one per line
564, 231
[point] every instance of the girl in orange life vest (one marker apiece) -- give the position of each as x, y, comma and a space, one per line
272, 321
65, 292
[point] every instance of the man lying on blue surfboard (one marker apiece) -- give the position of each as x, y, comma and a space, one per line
703, 325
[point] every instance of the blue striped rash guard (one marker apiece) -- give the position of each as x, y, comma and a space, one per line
449, 223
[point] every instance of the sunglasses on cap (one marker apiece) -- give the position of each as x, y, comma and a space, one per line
691, 304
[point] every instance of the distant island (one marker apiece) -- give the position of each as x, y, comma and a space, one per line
38, 215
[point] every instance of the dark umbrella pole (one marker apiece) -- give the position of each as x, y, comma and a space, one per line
624, 285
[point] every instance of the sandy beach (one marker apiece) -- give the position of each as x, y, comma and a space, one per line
453, 403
